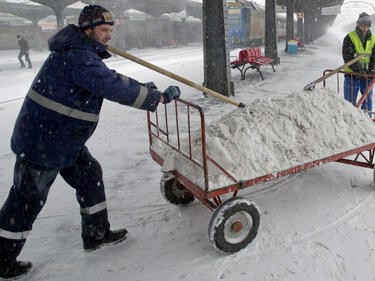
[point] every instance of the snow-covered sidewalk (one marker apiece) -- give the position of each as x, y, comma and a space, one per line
315, 225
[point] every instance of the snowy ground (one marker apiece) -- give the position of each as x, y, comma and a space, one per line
315, 225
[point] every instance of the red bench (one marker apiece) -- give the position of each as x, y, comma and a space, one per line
251, 58
300, 44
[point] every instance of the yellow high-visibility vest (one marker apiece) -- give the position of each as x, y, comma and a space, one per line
360, 50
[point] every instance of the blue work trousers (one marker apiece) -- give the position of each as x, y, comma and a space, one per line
351, 92
28, 195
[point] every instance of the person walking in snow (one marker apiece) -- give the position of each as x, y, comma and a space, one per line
24, 51
58, 116
359, 41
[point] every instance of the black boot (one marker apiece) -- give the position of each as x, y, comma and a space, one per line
16, 269
111, 237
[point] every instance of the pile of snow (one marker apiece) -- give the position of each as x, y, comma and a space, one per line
274, 134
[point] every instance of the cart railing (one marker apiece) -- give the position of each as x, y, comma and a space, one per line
340, 76
367, 160
159, 126
166, 125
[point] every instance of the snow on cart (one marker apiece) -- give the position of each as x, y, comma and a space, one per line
268, 139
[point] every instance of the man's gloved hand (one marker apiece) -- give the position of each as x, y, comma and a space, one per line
171, 93
150, 85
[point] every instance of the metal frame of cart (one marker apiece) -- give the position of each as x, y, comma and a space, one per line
235, 222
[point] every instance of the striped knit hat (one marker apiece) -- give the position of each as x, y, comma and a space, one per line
93, 15
364, 19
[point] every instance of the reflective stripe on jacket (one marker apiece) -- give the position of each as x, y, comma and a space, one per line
61, 109
14, 235
361, 50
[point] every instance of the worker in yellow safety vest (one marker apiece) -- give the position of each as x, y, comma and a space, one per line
359, 41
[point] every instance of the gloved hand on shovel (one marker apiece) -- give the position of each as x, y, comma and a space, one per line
150, 85
171, 93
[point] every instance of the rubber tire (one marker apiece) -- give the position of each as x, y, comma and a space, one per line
168, 190
222, 214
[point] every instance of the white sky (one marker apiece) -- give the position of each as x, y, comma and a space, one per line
353, 8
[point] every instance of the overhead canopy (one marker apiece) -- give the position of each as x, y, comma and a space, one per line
300, 5
58, 7
152, 7
26, 11
32, 12
55, 4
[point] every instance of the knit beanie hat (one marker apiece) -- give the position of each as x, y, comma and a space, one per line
364, 19
93, 15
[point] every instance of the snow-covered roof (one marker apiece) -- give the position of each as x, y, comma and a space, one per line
192, 19
135, 15
171, 17
179, 17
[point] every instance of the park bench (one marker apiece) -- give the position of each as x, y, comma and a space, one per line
300, 44
251, 58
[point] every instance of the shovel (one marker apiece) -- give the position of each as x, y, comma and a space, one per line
311, 86
172, 75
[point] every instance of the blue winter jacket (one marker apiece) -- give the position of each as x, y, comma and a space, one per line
61, 109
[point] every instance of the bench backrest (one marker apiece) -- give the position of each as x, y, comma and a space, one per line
249, 55
255, 52
243, 55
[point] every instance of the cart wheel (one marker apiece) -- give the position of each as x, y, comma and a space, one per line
233, 225
173, 191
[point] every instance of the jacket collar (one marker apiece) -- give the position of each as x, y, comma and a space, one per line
363, 37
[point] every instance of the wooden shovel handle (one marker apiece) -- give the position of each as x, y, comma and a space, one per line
172, 75
349, 63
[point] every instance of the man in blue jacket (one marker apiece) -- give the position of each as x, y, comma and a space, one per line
58, 116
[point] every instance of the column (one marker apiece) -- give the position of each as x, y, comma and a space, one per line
37, 36
270, 47
217, 72
289, 23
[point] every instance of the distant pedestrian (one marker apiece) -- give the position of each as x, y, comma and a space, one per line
24, 51
359, 41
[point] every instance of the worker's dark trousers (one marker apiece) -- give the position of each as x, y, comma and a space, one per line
26, 54
28, 195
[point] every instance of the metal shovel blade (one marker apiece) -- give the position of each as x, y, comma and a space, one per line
309, 87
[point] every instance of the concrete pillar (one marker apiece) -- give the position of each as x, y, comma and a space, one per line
300, 28
324, 22
217, 74
307, 26
37, 36
118, 29
289, 23
316, 23
159, 41
59, 17
270, 47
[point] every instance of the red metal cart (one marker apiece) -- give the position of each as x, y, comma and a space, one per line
235, 222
